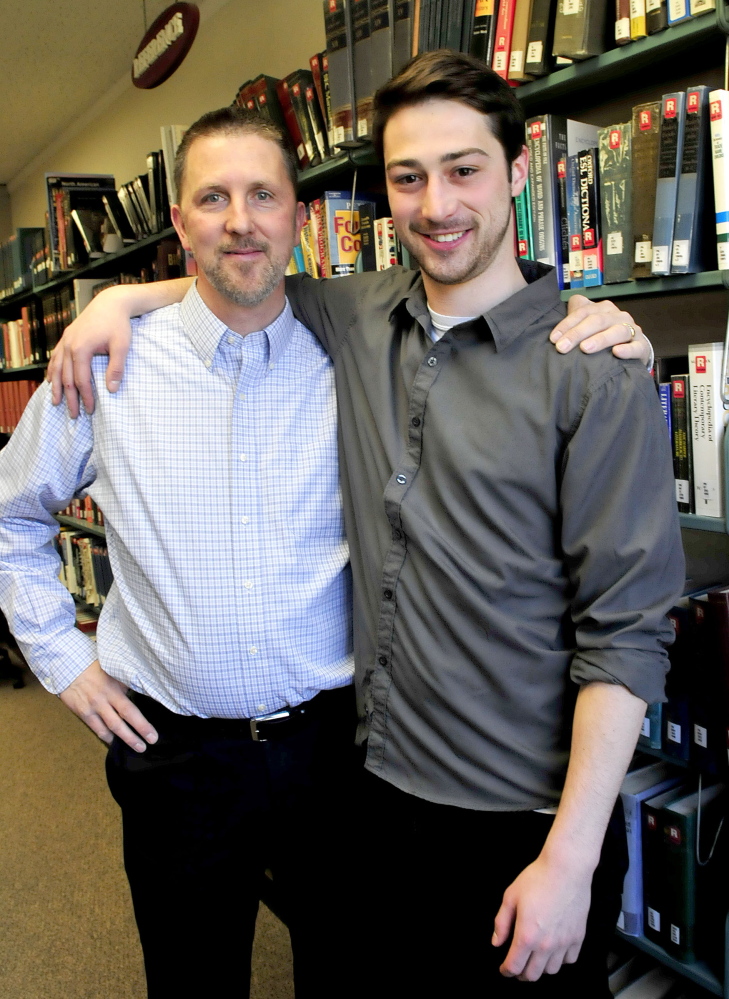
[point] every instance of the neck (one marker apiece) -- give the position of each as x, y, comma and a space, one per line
242, 319
501, 279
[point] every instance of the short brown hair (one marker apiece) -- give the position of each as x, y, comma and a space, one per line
234, 120
453, 76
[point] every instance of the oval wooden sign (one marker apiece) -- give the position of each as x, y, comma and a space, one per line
165, 45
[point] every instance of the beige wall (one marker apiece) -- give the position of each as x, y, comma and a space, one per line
6, 227
244, 38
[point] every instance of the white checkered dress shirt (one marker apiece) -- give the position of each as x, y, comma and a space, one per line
216, 468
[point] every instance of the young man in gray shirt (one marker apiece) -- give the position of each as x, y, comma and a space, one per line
515, 547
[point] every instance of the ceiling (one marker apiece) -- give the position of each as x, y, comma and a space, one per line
58, 59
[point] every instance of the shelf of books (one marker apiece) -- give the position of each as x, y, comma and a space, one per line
641, 54
81, 525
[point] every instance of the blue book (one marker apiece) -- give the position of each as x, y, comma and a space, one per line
573, 223
637, 787
678, 11
670, 156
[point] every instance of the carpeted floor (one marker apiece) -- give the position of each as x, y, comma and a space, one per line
66, 924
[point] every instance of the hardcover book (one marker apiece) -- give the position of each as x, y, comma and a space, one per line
580, 28
670, 154
645, 135
693, 223
339, 56
708, 422
615, 202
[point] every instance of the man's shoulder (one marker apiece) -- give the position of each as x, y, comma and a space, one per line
384, 286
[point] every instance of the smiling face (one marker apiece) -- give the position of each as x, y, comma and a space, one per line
450, 191
239, 215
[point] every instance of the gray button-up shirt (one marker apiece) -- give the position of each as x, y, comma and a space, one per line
513, 533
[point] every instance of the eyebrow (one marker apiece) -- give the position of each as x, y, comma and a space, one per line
446, 158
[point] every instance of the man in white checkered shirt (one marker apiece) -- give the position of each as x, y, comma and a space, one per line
229, 622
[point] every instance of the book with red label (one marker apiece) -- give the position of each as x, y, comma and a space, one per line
589, 182
298, 82
644, 138
654, 921
719, 125
690, 825
693, 236
292, 124
681, 442
708, 423
502, 44
670, 155
338, 29
547, 139
265, 99
317, 67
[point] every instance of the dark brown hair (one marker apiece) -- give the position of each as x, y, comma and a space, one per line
234, 120
453, 76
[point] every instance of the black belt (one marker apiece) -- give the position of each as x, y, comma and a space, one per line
277, 725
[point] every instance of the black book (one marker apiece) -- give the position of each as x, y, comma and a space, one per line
656, 16
681, 439
118, 217
539, 58
368, 236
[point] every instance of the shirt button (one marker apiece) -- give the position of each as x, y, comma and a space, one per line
270, 367
432, 361
208, 363
243, 458
248, 584
261, 707
415, 421
388, 594
231, 340
253, 650
244, 520
401, 479
382, 661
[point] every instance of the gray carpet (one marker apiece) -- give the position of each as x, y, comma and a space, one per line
66, 924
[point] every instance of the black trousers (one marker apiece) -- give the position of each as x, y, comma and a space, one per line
203, 817
436, 877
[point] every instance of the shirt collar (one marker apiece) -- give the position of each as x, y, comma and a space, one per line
205, 330
508, 319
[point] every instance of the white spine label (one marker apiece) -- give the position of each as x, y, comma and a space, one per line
614, 243
534, 52
680, 256
674, 732
660, 259
643, 252
700, 736
622, 30
654, 919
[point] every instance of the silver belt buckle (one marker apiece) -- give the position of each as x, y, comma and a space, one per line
275, 716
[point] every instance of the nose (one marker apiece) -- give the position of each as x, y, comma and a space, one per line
438, 201
238, 217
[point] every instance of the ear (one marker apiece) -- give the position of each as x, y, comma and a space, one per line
519, 172
300, 222
178, 223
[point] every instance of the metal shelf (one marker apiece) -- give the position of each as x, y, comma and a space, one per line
101, 262
698, 972
670, 285
80, 525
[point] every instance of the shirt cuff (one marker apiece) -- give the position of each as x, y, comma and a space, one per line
642, 673
57, 669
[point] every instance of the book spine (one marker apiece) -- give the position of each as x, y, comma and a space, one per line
502, 45
719, 124
688, 235
402, 34
573, 222
540, 38
678, 11
339, 56
673, 116
638, 26
656, 16
592, 266
484, 31
362, 63
519, 38
580, 28
681, 442
708, 420
645, 133
622, 21
615, 202
521, 207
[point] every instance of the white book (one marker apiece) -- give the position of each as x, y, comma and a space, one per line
708, 420
171, 136
719, 122
83, 291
